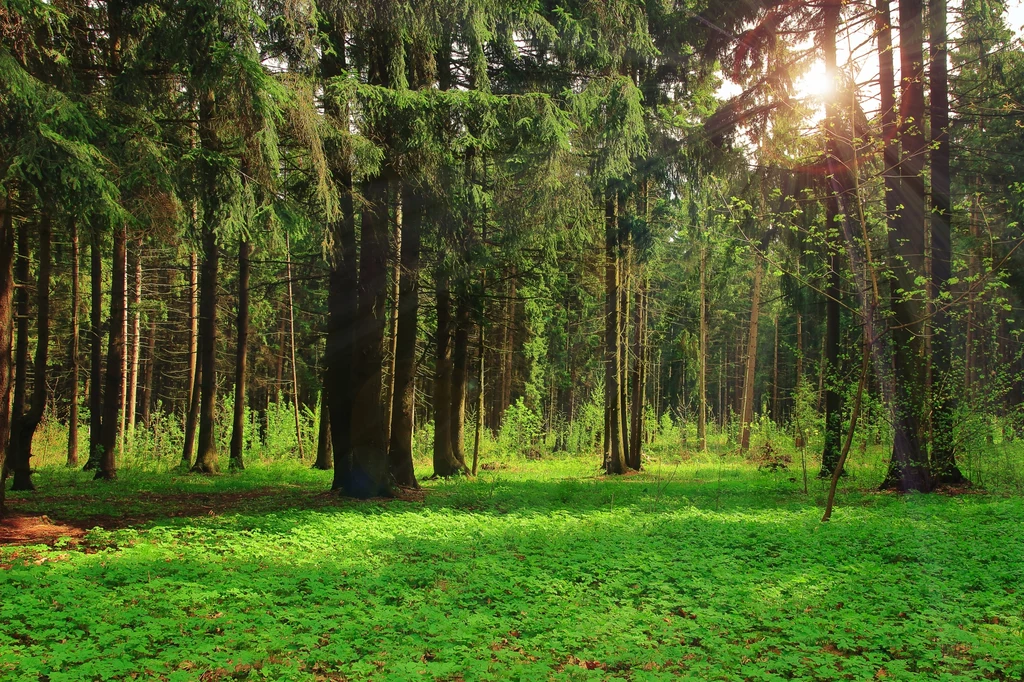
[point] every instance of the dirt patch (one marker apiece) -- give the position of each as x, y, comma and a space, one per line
36, 530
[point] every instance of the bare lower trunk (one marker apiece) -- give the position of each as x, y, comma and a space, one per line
324, 453
445, 463
133, 360
460, 372
193, 338
702, 361
23, 427
113, 395
479, 395
747, 413
6, 328
615, 460
637, 379
404, 396
291, 344
95, 352
74, 350
392, 355
146, 399
192, 418
237, 460
206, 451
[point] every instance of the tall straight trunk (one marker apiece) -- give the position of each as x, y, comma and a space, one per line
616, 457
146, 398
776, 412
747, 413
798, 441
944, 467
404, 396
113, 394
6, 327
508, 352
21, 302
123, 413
24, 425
460, 374
480, 391
95, 350
136, 330
445, 463
74, 350
833, 397
282, 350
193, 335
291, 346
324, 452
392, 359
192, 416
702, 360
908, 467
637, 389
237, 460
206, 452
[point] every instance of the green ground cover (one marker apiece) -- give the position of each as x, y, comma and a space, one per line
533, 571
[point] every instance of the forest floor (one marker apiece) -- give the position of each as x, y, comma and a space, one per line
539, 570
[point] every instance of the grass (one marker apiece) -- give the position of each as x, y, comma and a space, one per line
704, 569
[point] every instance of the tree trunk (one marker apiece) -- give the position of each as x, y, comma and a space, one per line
637, 388
776, 412
404, 395
702, 361
113, 394
392, 359
6, 327
616, 460
944, 467
206, 452
291, 345
445, 463
21, 269
24, 425
193, 344
123, 413
146, 400
747, 413
798, 441
833, 397
75, 364
460, 373
479, 392
95, 351
133, 361
324, 451
237, 460
908, 468
192, 416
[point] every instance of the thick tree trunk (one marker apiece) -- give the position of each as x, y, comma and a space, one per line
324, 452
944, 467
908, 467
445, 463
206, 451
24, 426
237, 459
479, 392
74, 348
95, 351
776, 412
615, 460
798, 440
291, 346
113, 394
136, 330
21, 303
460, 374
637, 381
6, 328
404, 396
342, 303
747, 413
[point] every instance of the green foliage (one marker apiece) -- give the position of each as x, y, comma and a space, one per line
536, 571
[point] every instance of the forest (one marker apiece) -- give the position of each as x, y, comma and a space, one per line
511, 339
